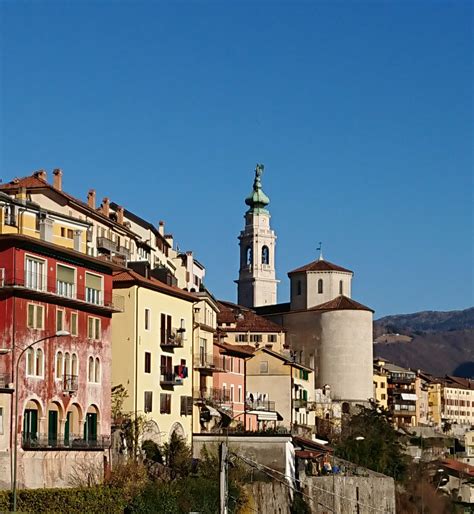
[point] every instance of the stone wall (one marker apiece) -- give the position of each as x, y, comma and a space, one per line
38, 469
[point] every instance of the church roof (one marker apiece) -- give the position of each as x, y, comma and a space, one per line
257, 199
320, 265
236, 318
341, 303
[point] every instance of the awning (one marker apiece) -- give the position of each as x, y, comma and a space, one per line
263, 415
409, 396
213, 412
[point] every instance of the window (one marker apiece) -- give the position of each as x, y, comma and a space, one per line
10, 215
59, 320
264, 367
59, 365
382, 385
1, 420
35, 277
35, 317
165, 403
67, 232
97, 371
65, 281
241, 338
298, 288
147, 319
248, 256
148, 407
73, 326
232, 392
255, 338
34, 362
272, 338
147, 362
67, 363
239, 398
90, 371
165, 328
383, 397
341, 287
93, 328
186, 405
93, 289
93, 370
320, 286
265, 255
74, 367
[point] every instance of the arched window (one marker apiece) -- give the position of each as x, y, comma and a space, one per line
74, 364
265, 255
30, 362
298, 287
90, 371
248, 256
59, 365
39, 363
341, 287
97, 370
320, 286
67, 364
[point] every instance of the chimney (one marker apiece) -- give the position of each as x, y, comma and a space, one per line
119, 212
91, 198
41, 174
105, 207
58, 179
161, 228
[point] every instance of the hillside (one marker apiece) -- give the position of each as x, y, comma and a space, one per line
443, 342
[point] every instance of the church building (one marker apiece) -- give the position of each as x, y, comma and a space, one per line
326, 329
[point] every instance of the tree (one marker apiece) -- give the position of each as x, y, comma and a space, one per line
380, 448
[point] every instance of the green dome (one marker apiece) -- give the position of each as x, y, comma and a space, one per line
257, 199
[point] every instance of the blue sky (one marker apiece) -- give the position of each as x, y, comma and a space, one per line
361, 112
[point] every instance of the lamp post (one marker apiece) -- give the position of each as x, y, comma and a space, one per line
59, 333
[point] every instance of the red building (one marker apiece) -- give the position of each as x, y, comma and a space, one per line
64, 382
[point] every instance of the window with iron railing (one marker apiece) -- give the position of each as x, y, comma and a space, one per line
35, 277
94, 289
65, 281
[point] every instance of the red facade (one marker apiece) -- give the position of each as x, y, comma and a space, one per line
63, 382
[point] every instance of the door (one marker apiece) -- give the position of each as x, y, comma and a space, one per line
67, 428
30, 425
90, 427
52, 428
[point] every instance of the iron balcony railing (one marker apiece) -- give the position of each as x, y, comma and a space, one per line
65, 442
172, 338
300, 403
169, 377
211, 395
43, 283
104, 243
70, 383
209, 362
265, 405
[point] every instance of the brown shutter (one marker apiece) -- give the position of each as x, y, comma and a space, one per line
168, 326
163, 328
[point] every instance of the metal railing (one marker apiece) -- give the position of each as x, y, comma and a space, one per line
211, 395
300, 403
66, 442
107, 244
39, 282
266, 405
172, 338
169, 377
70, 383
209, 362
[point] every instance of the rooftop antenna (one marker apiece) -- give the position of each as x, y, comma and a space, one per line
320, 250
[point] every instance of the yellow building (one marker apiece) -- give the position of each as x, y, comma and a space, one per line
380, 388
289, 384
152, 353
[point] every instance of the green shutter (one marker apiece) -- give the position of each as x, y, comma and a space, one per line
65, 274
93, 281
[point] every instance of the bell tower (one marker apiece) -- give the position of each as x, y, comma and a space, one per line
257, 284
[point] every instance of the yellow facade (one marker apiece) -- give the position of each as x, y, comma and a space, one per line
380, 389
137, 359
435, 403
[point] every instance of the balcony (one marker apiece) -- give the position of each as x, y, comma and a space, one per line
70, 383
5, 381
264, 405
170, 377
61, 442
104, 243
300, 403
172, 339
208, 362
38, 284
211, 395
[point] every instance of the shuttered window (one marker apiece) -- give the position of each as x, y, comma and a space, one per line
165, 403
186, 405
148, 407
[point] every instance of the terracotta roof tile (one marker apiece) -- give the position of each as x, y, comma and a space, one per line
128, 277
239, 350
320, 265
341, 303
244, 319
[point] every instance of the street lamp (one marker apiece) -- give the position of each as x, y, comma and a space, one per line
59, 333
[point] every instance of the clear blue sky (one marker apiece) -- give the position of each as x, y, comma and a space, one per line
361, 112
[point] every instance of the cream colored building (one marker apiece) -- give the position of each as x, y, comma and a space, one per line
287, 383
380, 388
458, 401
152, 353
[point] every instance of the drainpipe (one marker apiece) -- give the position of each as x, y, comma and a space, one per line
13, 358
135, 400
